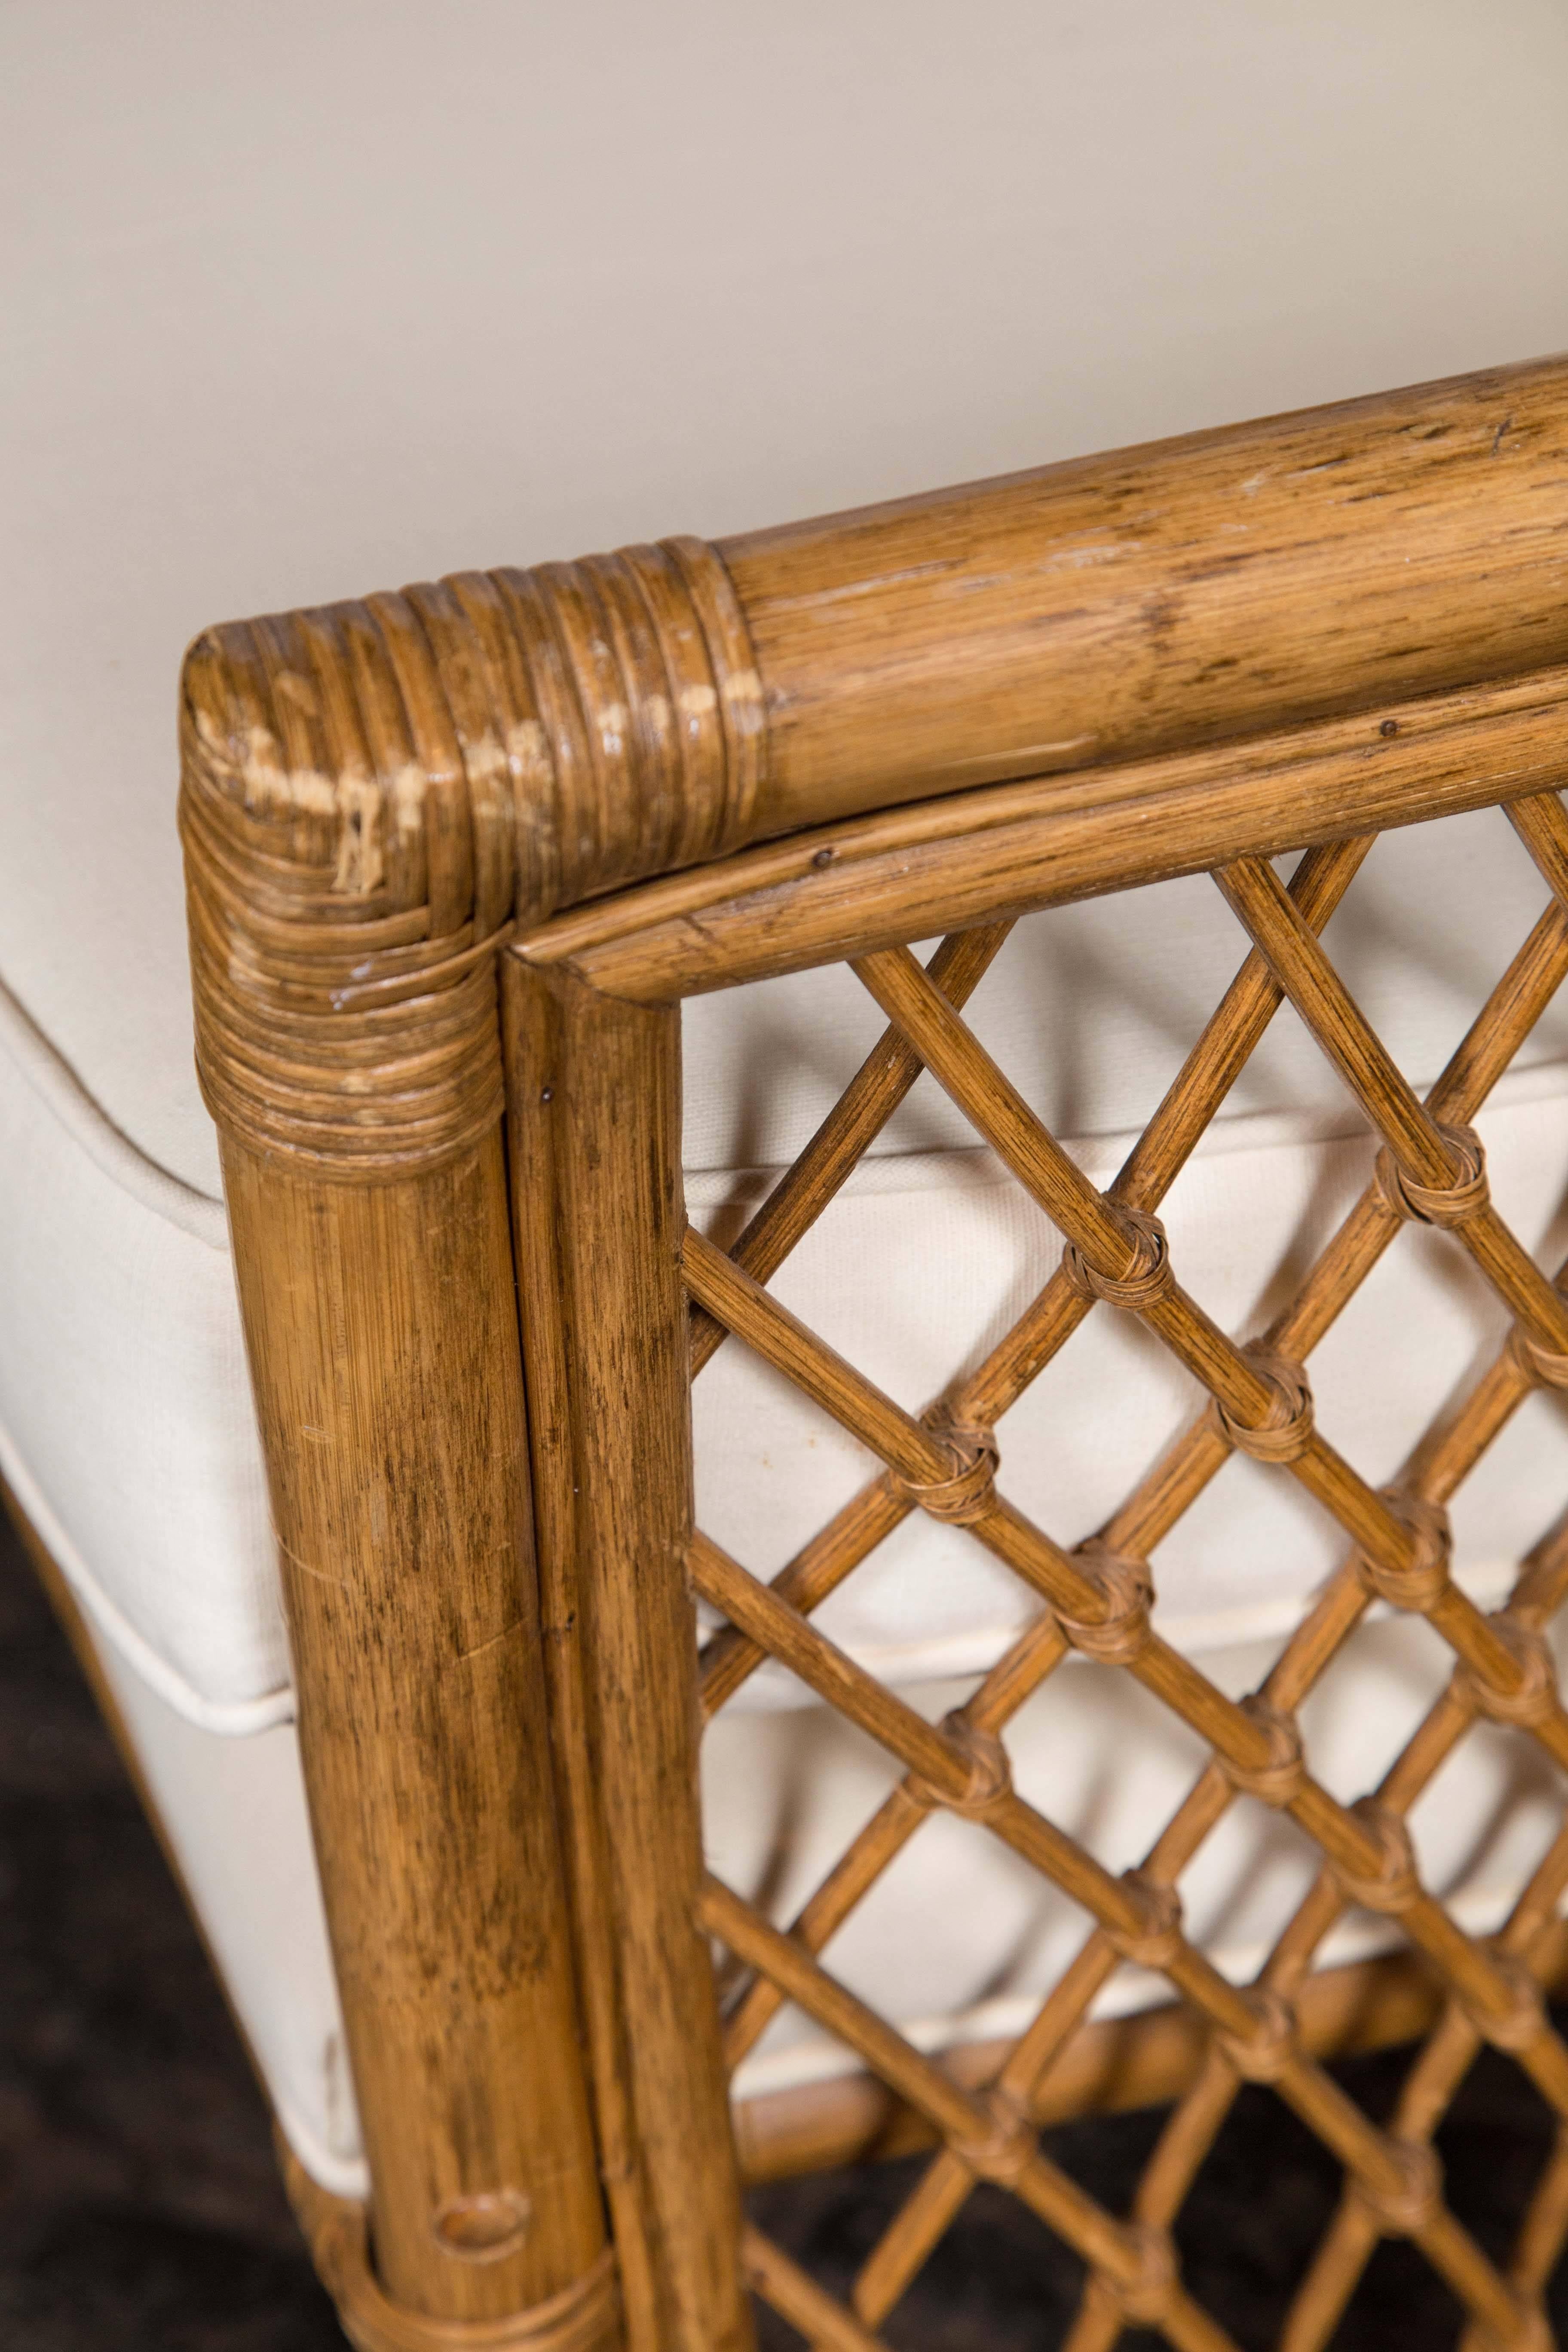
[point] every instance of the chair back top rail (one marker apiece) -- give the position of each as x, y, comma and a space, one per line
1162, 598
1233, 582
1245, 639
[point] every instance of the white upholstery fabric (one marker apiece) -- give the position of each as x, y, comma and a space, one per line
923, 1262
126, 1426
234, 1814
958, 1937
308, 298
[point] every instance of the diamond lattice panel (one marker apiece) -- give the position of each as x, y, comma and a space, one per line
1251, 1397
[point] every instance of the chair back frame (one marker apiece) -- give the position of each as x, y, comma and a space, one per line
472, 846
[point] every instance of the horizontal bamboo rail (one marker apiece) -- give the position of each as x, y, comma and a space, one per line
1370, 594
992, 854
1227, 583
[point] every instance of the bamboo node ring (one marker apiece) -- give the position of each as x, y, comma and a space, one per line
1127, 1588
584, 2317
967, 1493
1286, 1430
1147, 1275
1440, 1204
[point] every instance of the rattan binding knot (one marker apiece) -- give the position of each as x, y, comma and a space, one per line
1393, 1887
1535, 1699
1520, 2024
1269, 2051
1286, 1430
1147, 1277
1010, 2146
1123, 1634
1423, 1579
1403, 2211
1540, 1367
1143, 2298
968, 1491
1279, 1780
990, 1773
1157, 1941
1440, 1204
1531, 2332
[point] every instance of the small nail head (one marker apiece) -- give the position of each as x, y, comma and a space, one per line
1389, 727
824, 857
546, 1094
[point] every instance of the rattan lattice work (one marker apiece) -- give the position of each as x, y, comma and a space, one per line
1429, 1167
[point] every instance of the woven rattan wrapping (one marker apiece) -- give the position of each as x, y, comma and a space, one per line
584, 2318
1253, 1398
372, 791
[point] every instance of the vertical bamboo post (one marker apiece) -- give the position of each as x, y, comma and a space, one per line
348, 885
593, 1088
381, 1330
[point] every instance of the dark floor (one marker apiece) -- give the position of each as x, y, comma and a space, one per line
139, 2207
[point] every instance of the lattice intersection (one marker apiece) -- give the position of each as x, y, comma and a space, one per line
1096, 1598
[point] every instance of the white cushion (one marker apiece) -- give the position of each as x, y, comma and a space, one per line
923, 1262
303, 305
960, 1938
125, 1420
126, 1423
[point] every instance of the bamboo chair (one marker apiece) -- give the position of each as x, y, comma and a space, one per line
455, 857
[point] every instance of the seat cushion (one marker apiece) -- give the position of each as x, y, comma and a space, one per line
125, 1420
924, 1262
294, 310
960, 1940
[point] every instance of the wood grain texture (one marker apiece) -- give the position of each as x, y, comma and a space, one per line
982, 855
607, 1081
383, 1348
582, 2318
1222, 585
411, 772
532, 1051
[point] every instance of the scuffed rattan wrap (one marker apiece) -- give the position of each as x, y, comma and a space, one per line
373, 792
